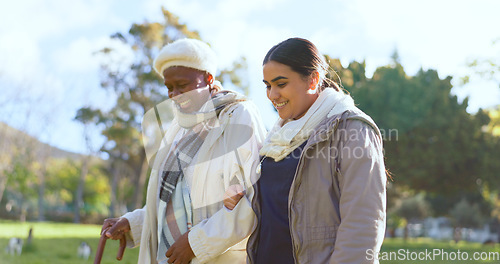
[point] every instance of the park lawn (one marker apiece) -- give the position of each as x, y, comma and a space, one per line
406, 252
57, 243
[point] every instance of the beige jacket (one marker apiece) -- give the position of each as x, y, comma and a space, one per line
337, 207
218, 235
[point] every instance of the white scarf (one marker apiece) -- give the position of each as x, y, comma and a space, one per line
283, 139
209, 110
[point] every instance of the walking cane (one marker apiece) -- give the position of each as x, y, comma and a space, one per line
102, 244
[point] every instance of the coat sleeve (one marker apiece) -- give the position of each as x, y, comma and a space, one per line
362, 184
224, 229
135, 220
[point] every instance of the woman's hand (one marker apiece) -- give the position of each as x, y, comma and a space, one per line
233, 195
115, 228
180, 252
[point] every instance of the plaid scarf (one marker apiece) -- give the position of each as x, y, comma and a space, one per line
174, 209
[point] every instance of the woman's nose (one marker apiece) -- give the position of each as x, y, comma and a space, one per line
273, 93
173, 93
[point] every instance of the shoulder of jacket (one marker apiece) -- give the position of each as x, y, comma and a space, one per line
347, 118
238, 109
358, 115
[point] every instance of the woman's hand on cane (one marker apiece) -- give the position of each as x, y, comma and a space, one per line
115, 228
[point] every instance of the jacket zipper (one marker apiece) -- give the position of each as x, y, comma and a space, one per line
290, 201
257, 226
292, 190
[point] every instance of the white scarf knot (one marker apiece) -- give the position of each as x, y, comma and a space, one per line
285, 137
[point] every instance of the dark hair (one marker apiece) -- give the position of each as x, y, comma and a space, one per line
303, 57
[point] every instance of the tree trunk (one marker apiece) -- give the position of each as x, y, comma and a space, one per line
139, 191
3, 184
24, 212
114, 189
41, 195
405, 233
3, 163
457, 234
80, 188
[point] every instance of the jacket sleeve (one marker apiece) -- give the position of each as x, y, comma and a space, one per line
224, 229
362, 184
135, 220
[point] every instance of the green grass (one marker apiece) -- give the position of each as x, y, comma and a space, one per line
403, 252
57, 243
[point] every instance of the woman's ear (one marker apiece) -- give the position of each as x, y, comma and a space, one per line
209, 78
313, 81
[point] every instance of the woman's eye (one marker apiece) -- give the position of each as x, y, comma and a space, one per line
268, 87
182, 85
281, 85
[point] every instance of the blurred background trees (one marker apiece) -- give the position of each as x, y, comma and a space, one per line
444, 160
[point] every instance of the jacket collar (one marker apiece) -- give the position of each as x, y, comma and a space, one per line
324, 130
326, 127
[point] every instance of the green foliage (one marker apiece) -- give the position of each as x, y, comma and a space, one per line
62, 180
431, 143
441, 203
465, 214
395, 221
494, 125
485, 68
414, 208
21, 181
236, 75
96, 193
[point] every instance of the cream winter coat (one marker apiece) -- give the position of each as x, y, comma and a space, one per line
218, 235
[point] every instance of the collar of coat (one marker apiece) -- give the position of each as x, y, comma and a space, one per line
326, 128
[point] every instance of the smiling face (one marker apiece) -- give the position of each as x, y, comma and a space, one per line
189, 88
291, 93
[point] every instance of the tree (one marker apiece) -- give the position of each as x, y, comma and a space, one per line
411, 209
22, 182
430, 139
63, 176
494, 126
485, 68
465, 214
84, 170
27, 106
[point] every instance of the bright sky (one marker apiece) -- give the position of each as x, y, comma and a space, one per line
47, 69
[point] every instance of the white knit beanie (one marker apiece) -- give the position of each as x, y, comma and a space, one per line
191, 53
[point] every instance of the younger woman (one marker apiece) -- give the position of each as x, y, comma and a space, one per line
321, 195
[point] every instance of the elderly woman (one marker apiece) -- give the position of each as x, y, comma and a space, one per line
321, 195
212, 142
